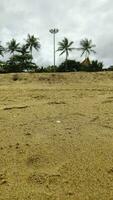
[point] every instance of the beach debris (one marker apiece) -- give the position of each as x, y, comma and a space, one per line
58, 121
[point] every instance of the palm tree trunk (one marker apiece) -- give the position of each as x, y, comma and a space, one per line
66, 61
13, 58
32, 54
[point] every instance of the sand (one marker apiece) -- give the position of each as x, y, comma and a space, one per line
56, 136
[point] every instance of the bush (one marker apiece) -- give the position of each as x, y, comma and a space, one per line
95, 66
110, 68
15, 77
69, 66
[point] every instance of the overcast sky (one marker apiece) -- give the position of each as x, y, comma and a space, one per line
75, 19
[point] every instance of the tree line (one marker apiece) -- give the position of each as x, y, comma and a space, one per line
20, 57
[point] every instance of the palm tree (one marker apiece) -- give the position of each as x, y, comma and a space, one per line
25, 58
86, 47
23, 50
12, 46
65, 47
1, 50
32, 42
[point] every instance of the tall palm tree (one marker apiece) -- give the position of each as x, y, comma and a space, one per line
2, 49
65, 47
25, 58
86, 47
32, 42
12, 46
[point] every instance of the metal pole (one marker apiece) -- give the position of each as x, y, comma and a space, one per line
54, 48
54, 31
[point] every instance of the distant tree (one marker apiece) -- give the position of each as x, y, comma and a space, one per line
23, 50
25, 58
32, 42
19, 63
2, 65
65, 47
96, 66
110, 68
12, 46
86, 47
12, 65
41, 69
2, 49
69, 65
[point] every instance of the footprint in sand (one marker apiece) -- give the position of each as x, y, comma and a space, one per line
3, 179
38, 161
47, 180
37, 179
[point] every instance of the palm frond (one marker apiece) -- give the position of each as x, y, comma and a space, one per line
65, 47
86, 47
62, 52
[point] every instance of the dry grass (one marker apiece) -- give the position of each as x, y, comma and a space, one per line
56, 136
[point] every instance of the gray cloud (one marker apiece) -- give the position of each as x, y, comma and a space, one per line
75, 19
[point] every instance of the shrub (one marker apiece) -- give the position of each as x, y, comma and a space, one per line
69, 66
15, 77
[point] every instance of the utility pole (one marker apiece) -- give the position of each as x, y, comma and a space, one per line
54, 31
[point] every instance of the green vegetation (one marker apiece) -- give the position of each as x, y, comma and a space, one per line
12, 46
20, 57
1, 50
32, 42
86, 47
65, 47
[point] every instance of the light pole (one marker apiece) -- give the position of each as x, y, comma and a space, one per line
54, 31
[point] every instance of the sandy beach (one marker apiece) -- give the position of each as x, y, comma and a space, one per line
56, 136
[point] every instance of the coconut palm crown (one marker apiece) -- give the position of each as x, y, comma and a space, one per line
65, 47
12, 46
32, 42
1, 50
86, 47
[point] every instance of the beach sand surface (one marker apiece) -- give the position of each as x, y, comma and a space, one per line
56, 136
